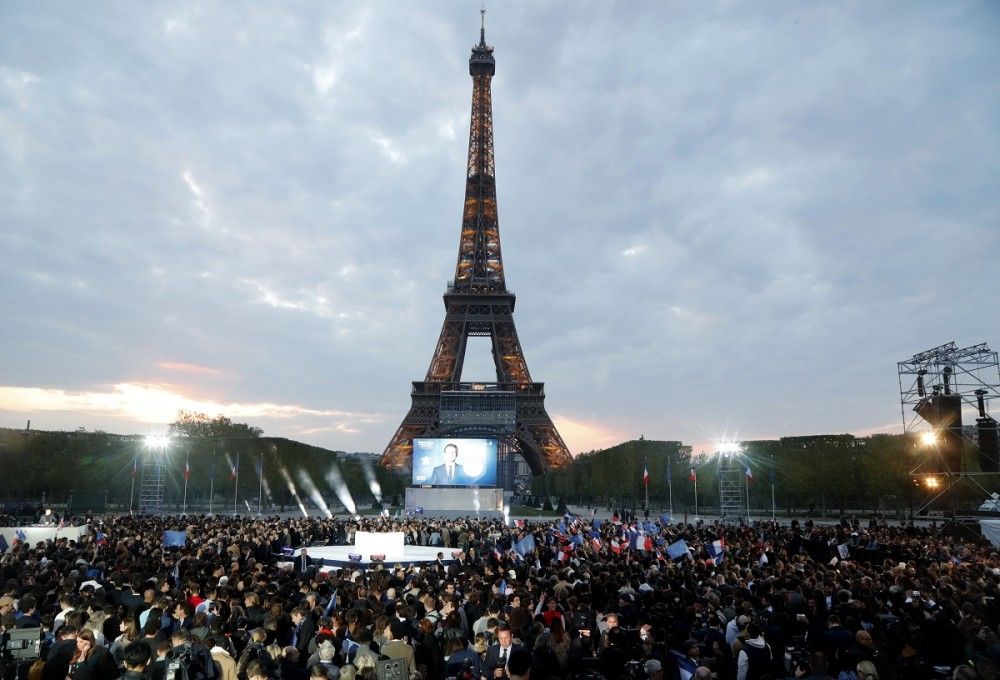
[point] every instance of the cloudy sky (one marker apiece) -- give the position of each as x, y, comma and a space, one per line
718, 217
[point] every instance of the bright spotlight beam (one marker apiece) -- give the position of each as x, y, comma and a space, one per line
373, 485
928, 438
292, 490
339, 486
156, 441
307, 483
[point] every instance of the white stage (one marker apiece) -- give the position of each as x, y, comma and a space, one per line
455, 502
35, 534
991, 531
366, 544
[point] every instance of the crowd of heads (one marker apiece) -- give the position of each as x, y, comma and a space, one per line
582, 598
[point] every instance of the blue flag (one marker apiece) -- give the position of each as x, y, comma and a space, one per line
598, 523
174, 539
665, 518
3, 544
577, 540
21, 536
678, 549
685, 666
525, 545
561, 527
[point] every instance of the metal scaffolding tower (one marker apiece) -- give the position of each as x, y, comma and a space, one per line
151, 492
732, 485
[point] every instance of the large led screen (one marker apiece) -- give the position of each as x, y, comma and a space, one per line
455, 462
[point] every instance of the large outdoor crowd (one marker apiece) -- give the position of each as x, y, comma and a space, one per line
579, 598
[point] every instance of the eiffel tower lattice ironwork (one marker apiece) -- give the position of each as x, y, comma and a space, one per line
477, 303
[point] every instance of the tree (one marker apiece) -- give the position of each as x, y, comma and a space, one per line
199, 425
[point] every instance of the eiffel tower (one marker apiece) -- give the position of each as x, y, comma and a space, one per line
477, 303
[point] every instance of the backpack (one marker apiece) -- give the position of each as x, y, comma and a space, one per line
188, 663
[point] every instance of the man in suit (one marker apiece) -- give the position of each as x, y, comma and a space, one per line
301, 563
498, 655
450, 471
303, 632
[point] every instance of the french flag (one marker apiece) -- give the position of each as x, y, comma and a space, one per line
616, 547
187, 470
596, 542
693, 476
749, 475
135, 466
645, 475
232, 472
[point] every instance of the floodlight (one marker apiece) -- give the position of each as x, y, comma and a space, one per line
928, 438
157, 441
932, 482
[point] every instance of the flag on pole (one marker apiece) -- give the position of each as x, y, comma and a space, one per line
20, 535
232, 471
187, 469
668, 469
693, 476
749, 475
645, 475
135, 466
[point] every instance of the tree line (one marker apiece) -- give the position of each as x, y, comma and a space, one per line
54, 465
823, 473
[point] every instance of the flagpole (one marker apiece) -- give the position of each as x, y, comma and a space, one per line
236, 484
645, 484
135, 471
670, 490
696, 495
211, 488
772, 496
187, 473
260, 481
746, 478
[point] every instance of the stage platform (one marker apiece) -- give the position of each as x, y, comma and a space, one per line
337, 556
455, 503
34, 534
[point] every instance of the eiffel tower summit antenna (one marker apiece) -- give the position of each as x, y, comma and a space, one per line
477, 303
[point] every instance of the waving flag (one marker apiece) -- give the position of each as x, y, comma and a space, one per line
525, 545
749, 474
615, 546
101, 538
693, 476
717, 551
232, 471
645, 475
596, 542
685, 666
678, 549
21, 536
187, 470
135, 466
3, 544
